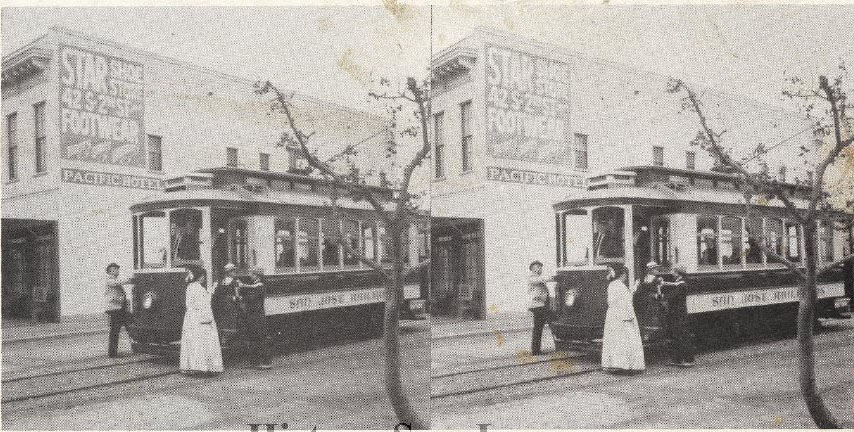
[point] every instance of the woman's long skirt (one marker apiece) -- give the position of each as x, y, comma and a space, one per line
622, 347
200, 349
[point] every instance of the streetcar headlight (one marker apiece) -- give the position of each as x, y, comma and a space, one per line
569, 298
148, 300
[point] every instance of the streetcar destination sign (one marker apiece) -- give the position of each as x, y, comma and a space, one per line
307, 302
697, 303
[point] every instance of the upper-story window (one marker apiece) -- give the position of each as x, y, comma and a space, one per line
580, 151
40, 138
264, 161
439, 144
231, 156
658, 156
466, 133
690, 160
155, 153
12, 146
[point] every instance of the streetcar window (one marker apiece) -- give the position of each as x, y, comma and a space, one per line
307, 244
385, 245
237, 247
184, 230
793, 241
752, 251
774, 238
368, 237
825, 233
661, 247
153, 239
707, 240
575, 237
285, 245
331, 249
731, 240
424, 243
351, 232
608, 240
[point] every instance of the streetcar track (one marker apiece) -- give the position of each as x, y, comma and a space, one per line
504, 366
60, 372
513, 383
90, 387
820, 346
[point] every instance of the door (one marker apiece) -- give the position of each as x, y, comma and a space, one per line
442, 291
16, 290
44, 278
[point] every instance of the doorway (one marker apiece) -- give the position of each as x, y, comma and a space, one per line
30, 270
457, 285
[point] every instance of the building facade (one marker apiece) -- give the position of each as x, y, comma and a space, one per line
91, 127
520, 125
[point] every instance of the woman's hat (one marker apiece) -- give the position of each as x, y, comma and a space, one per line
532, 264
229, 267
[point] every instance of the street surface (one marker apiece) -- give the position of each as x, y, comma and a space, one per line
753, 385
338, 385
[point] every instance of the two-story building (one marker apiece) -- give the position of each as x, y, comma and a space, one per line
91, 127
520, 125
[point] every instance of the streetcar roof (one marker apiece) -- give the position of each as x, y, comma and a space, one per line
238, 198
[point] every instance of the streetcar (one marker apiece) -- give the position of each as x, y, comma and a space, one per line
695, 220
276, 222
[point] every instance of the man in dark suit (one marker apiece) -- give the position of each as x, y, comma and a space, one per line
674, 289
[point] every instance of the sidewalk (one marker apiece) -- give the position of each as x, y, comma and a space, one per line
15, 331
504, 322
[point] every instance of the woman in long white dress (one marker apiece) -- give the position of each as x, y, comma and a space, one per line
200, 349
622, 348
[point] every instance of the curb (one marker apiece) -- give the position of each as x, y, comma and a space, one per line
477, 333
52, 336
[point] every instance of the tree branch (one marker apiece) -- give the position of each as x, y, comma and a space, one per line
761, 243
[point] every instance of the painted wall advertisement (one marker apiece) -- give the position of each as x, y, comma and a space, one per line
101, 108
512, 175
527, 107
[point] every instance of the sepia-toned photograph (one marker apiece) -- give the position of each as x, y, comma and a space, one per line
402, 215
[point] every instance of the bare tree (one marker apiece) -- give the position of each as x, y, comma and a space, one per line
346, 182
834, 136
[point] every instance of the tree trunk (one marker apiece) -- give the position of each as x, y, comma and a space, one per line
393, 384
806, 317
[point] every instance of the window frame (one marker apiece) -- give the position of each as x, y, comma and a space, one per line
152, 154
439, 145
583, 155
40, 136
690, 160
12, 146
465, 136
717, 235
657, 156
264, 161
284, 219
232, 158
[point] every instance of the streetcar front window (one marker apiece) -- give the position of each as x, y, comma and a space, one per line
237, 248
184, 230
153, 239
307, 244
707, 240
575, 237
661, 235
608, 234
284, 245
